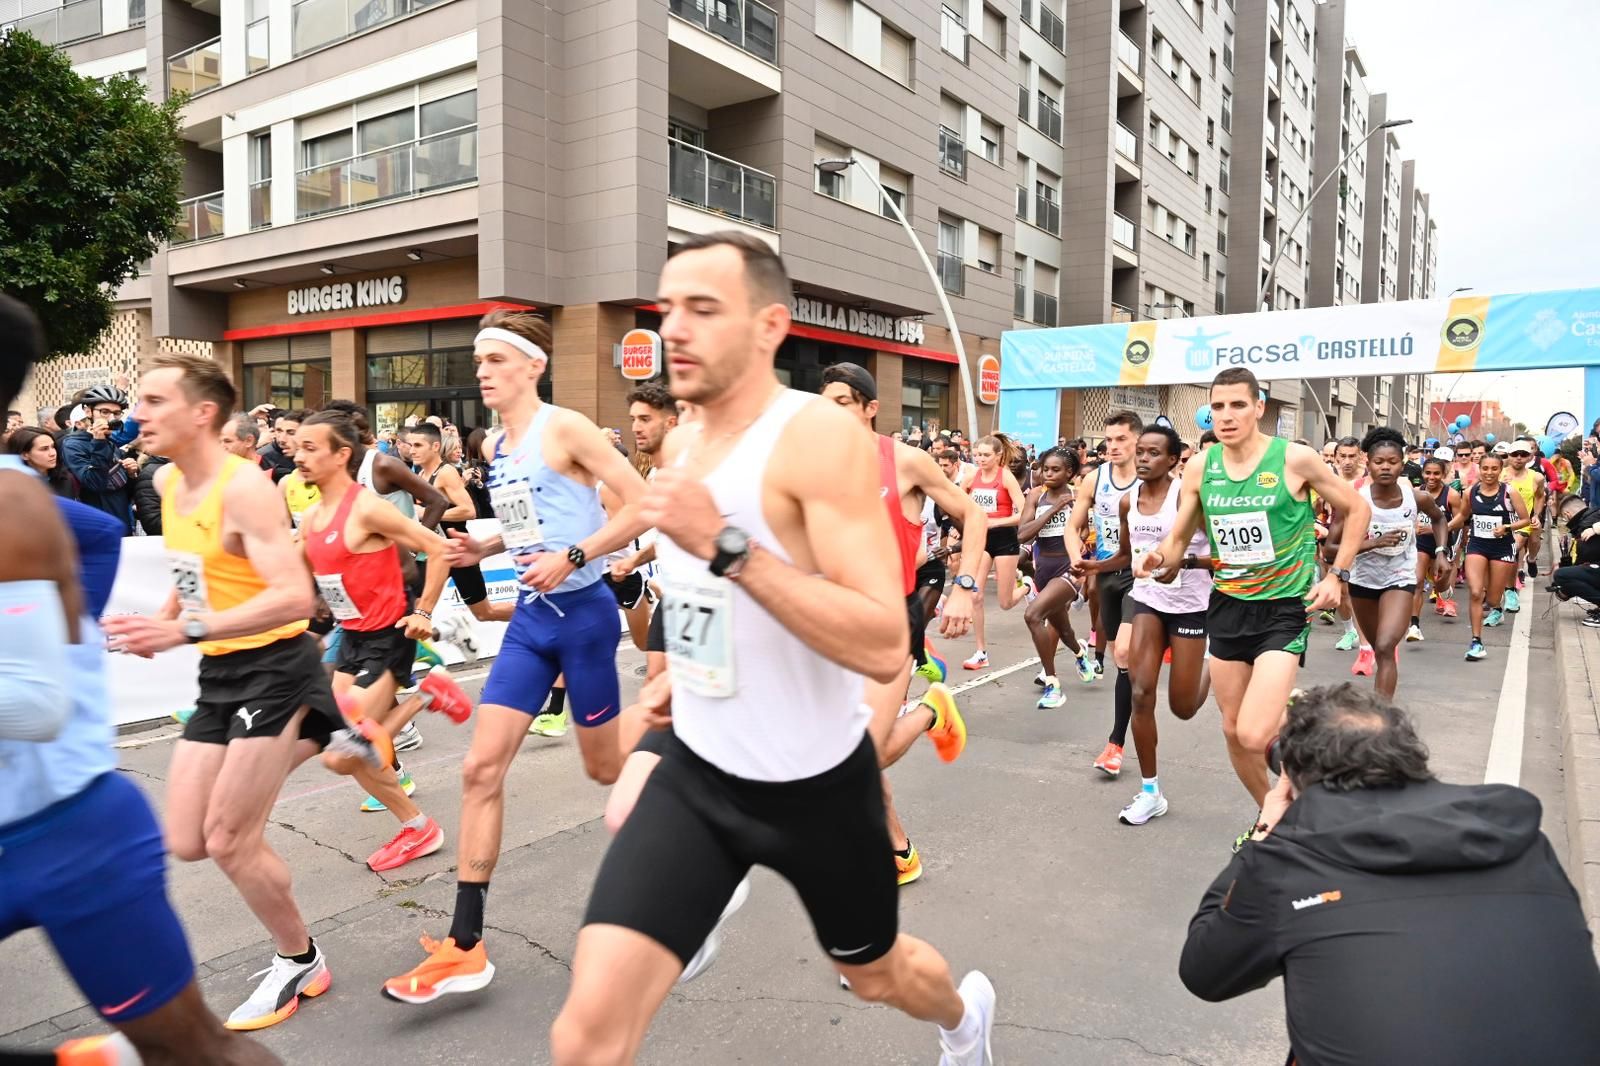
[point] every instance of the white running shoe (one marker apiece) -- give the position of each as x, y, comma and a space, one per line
708, 951
979, 661
1414, 634
278, 996
408, 739
455, 629
1145, 806
978, 994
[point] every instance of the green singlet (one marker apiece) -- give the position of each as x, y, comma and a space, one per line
1262, 537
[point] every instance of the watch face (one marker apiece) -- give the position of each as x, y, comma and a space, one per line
732, 541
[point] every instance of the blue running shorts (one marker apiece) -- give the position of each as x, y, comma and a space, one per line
540, 644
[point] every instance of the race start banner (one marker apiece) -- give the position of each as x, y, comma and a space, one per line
1519, 331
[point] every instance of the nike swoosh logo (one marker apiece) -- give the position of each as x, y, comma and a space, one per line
22, 608
836, 953
120, 1007
597, 714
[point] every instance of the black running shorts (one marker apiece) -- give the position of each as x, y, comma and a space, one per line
696, 831
256, 692
1001, 541
931, 575
629, 591
1188, 625
1242, 630
367, 655
1114, 588
655, 638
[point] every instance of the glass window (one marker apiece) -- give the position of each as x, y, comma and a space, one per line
328, 149
260, 156
387, 130
453, 112
290, 385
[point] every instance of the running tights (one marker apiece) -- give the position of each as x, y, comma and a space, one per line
1124, 709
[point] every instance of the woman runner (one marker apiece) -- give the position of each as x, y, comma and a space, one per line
1497, 514
1452, 503
995, 487
1049, 615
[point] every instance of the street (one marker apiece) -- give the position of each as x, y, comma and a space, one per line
1078, 919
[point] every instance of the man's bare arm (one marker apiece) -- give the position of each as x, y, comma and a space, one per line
391, 475
249, 508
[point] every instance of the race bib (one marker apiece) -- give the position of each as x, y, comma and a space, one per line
189, 573
1056, 526
519, 519
1402, 528
699, 631
988, 499
338, 600
1110, 538
1486, 526
1243, 539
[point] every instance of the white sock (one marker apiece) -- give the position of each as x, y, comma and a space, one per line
1152, 785
1366, 647
1349, 625
415, 823
965, 1035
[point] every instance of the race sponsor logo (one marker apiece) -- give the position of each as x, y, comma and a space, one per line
1266, 479
1462, 332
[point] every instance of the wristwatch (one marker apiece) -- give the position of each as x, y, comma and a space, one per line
576, 557
732, 552
195, 629
966, 581
1341, 573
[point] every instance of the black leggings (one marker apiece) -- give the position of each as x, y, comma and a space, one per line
1578, 582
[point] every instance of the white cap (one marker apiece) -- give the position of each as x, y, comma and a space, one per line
79, 413
1501, 448
1525, 445
1444, 455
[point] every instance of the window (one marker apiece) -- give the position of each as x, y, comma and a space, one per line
1019, 283
1049, 122
1051, 28
1227, 46
989, 135
951, 273
1222, 170
994, 29
896, 183
1222, 233
1205, 265
1022, 202
833, 22
895, 55
1047, 206
1044, 294
953, 34
260, 180
1227, 110
830, 184
1211, 131
451, 113
289, 372
989, 251
1208, 199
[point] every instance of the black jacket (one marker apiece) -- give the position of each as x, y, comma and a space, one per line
1426, 924
275, 462
1588, 551
146, 500
102, 482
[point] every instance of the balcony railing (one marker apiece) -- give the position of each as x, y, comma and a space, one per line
1047, 214
1127, 143
1049, 118
745, 24
135, 13
952, 275
953, 34
261, 204
1051, 28
201, 219
1128, 52
314, 24
1266, 250
257, 47
714, 183
1123, 231
396, 173
196, 70
952, 152
1019, 301
1120, 313
1044, 309
59, 25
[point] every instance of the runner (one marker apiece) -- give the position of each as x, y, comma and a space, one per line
908, 478
1164, 616
1251, 490
630, 571
1430, 559
1497, 514
543, 481
1049, 615
297, 495
1531, 485
81, 855
390, 478
426, 443
265, 705
995, 488
352, 540
1383, 578
745, 779
1100, 498
1349, 464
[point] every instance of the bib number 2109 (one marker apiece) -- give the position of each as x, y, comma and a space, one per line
1243, 539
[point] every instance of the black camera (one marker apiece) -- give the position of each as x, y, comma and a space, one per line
1275, 755
115, 423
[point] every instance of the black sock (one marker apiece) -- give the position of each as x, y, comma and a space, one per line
558, 701
28, 1058
466, 928
1124, 709
905, 854
1416, 620
307, 957
1100, 656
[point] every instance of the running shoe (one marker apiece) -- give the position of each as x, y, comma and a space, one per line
182, 717
1366, 662
702, 960
1513, 602
1449, 608
550, 725
1166, 657
978, 994
372, 805
440, 693
1086, 669
409, 738
428, 655
908, 868
935, 669
1145, 806
1110, 760
1099, 669
1592, 619
1030, 592
979, 661
111, 1049
1053, 696
1349, 641
1327, 618
1533, 569
1521, 579
407, 844
1414, 634
278, 995
1039, 678
363, 738
455, 629
1476, 651
949, 730
447, 969
1494, 618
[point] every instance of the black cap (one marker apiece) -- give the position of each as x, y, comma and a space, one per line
854, 375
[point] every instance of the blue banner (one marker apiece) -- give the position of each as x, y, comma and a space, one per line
1031, 416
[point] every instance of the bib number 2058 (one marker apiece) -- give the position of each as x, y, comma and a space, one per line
1243, 539
699, 631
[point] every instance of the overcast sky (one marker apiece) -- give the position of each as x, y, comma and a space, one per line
1505, 95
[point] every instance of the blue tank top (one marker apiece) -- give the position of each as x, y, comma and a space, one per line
540, 510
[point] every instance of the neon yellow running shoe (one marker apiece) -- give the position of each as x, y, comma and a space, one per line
551, 725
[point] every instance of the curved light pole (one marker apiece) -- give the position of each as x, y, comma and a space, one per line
839, 166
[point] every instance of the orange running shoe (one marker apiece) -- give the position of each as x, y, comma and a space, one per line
909, 868
442, 693
1110, 760
447, 969
362, 737
1449, 608
948, 731
113, 1049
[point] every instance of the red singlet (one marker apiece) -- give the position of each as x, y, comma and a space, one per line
907, 534
994, 498
364, 590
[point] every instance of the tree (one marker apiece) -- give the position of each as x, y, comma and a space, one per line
89, 178
1519, 430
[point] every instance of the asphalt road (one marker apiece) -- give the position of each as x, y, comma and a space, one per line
1077, 919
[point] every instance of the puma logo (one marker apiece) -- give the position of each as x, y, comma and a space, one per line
248, 717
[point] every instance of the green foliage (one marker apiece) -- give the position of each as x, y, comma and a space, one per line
90, 173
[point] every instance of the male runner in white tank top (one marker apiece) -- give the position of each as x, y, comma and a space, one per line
777, 603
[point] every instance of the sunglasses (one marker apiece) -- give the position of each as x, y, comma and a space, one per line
1525, 455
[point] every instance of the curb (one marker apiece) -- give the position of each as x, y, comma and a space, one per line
1577, 663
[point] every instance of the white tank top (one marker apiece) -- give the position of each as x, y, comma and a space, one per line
1105, 512
1385, 568
1191, 589
748, 696
399, 497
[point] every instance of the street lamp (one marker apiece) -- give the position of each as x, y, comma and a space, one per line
1464, 288
1272, 267
1182, 311
839, 166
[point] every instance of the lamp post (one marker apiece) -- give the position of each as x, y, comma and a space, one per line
839, 166
1463, 288
1272, 267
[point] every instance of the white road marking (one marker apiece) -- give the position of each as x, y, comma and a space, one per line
1504, 766
994, 675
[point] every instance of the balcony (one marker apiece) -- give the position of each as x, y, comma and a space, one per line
747, 25
316, 24
722, 186
201, 219
59, 25
1120, 313
1052, 29
1049, 122
952, 275
261, 204
1019, 301
1047, 214
953, 34
1127, 156
952, 153
196, 70
1124, 241
414, 168
1044, 309
1266, 250
1130, 66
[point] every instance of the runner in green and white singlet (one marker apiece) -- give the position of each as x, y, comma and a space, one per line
1253, 493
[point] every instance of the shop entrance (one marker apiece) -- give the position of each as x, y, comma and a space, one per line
426, 369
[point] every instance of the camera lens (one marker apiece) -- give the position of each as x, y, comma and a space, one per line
115, 423
1275, 756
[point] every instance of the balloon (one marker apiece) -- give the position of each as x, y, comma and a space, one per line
1488, 438
1463, 421
1202, 417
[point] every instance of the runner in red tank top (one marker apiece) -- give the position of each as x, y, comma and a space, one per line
910, 476
996, 490
352, 539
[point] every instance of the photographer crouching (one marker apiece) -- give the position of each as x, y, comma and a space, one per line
1411, 921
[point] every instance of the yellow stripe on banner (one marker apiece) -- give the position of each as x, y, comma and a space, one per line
1138, 352
1462, 334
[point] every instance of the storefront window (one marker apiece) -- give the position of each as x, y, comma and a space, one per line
288, 372
426, 369
924, 395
